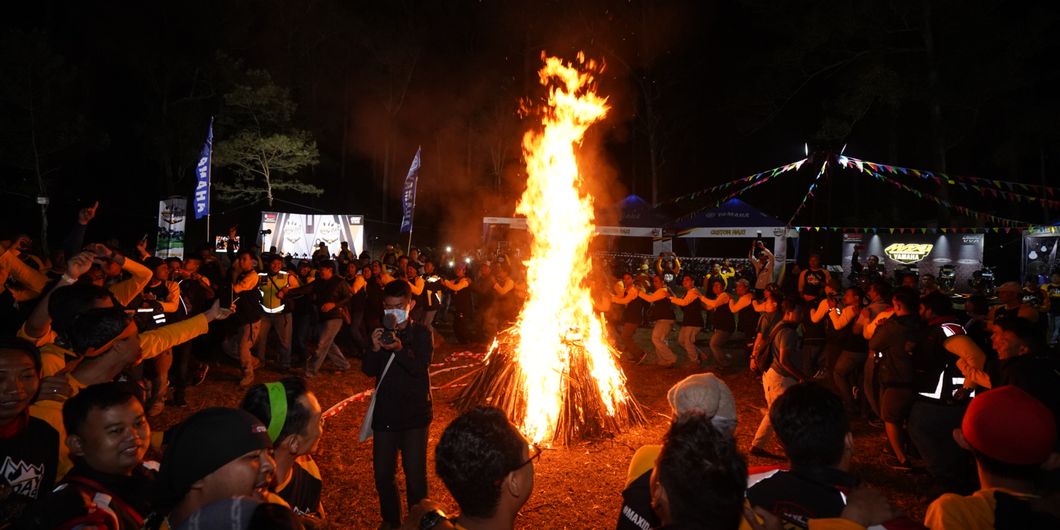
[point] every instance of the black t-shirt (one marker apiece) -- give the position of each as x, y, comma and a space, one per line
634, 311
692, 314
802, 494
747, 320
661, 310
76, 499
463, 303
302, 492
28, 463
813, 283
636, 513
432, 288
723, 319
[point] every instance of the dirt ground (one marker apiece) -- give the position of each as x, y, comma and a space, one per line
576, 487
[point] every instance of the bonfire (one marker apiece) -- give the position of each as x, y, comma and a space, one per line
554, 372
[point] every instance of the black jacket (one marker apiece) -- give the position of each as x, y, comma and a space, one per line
79, 499
404, 399
895, 341
802, 494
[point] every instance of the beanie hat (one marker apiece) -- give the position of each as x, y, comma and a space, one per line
204, 443
703, 393
1010, 426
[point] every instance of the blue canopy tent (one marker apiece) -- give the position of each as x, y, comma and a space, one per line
736, 219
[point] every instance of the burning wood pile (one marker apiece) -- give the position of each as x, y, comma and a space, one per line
553, 372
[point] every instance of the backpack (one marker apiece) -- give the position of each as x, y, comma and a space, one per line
762, 356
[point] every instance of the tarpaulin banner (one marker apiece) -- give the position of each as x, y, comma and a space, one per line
172, 214
408, 194
923, 253
299, 234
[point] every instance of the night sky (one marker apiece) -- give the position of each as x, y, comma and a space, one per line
118, 95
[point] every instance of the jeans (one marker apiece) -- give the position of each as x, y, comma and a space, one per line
686, 337
629, 346
931, 428
282, 323
360, 339
774, 385
847, 369
428, 319
717, 344
303, 327
326, 348
413, 447
180, 372
239, 345
1054, 328
663, 354
870, 388
463, 327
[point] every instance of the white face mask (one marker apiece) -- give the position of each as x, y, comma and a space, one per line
400, 315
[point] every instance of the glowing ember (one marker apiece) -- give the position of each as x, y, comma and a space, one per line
554, 372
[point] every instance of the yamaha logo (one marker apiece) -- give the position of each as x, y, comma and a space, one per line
908, 253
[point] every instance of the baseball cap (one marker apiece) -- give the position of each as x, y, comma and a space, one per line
704, 393
205, 442
1009, 425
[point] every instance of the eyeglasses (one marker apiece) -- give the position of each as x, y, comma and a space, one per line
534, 455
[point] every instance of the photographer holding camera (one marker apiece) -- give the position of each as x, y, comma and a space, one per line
400, 360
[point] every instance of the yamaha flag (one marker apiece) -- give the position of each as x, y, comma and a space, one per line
202, 171
408, 195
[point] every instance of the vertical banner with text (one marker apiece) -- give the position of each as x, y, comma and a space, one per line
202, 175
172, 214
408, 194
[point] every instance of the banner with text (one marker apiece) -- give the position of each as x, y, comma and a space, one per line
172, 214
926, 253
300, 234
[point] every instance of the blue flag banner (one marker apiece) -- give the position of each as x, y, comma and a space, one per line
408, 194
202, 172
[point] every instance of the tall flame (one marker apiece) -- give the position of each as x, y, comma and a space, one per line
559, 214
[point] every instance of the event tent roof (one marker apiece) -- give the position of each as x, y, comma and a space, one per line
635, 211
732, 213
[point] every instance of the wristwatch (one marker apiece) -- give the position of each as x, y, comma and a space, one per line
431, 519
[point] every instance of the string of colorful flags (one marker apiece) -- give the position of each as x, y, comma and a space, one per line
809, 193
922, 230
982, 216
764, 175
757, 181
994, 188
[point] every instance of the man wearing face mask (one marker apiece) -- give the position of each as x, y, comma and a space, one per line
399, 360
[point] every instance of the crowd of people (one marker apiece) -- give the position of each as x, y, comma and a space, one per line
97, 342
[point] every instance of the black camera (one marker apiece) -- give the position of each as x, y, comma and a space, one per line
389, 336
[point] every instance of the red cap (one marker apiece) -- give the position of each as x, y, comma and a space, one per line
1011, 426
